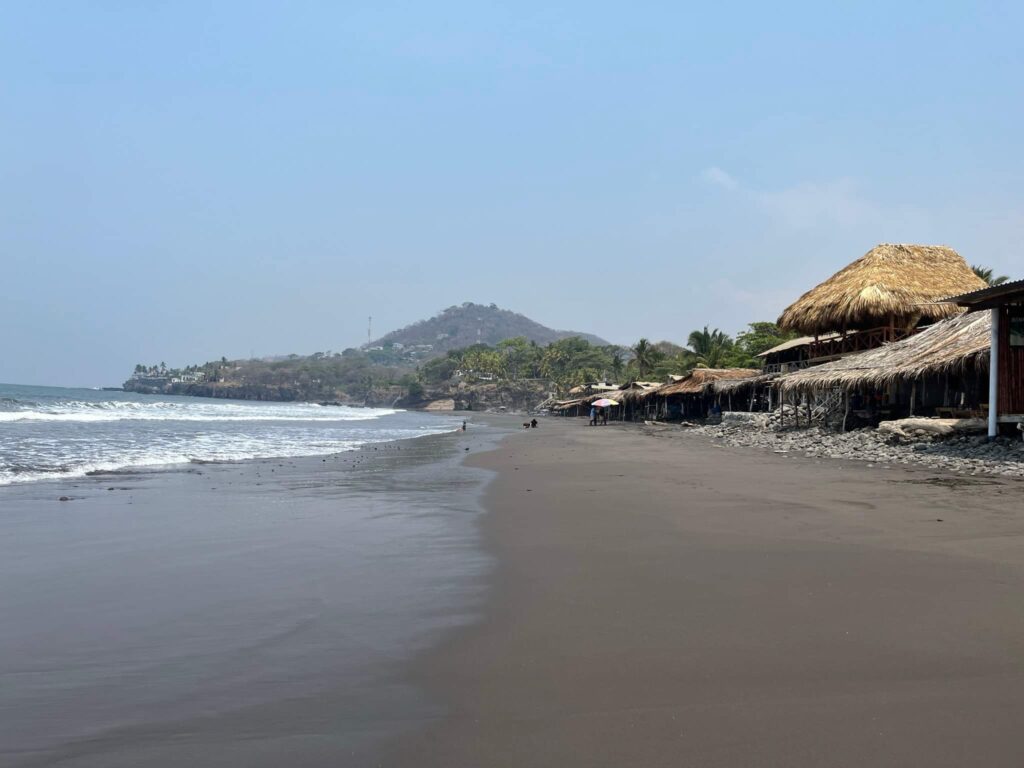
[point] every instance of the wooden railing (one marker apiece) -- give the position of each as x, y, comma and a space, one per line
856, 342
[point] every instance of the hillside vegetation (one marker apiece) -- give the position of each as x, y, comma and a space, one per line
513, 372
573, 361
469, 323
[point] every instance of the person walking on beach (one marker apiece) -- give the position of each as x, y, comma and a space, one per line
593, 416
604, 417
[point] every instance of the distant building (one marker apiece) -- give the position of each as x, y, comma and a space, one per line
189, 377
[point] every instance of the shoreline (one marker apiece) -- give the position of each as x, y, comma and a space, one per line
242, 613
129, 470
656, 604
569, 596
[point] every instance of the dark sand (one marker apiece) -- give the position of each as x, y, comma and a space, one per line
250, 615
630, 599
664, 601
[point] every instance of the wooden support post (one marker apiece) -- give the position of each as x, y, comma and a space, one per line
993, 377
913, 394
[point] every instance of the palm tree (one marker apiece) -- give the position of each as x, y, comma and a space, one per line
985, 273
645, 356
616, 365
641, 355
710, 348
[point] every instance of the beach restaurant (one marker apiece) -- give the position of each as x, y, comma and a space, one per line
938, 371
886, 295
1000, 308
691, 396
859, 324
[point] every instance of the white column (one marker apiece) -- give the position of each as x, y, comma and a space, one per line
993, 376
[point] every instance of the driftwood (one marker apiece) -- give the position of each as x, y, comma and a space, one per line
909, 428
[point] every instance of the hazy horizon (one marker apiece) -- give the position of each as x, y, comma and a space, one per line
186, 182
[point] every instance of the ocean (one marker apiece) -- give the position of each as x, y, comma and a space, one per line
50, 433
167, 603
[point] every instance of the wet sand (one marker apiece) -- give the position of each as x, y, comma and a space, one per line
250, 614
660, 600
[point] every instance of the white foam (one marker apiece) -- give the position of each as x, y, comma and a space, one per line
47, 437
213, 447
171, 411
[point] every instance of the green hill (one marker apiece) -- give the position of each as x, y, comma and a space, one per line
468, 324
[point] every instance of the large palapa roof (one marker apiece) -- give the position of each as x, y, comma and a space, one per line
947, 346
898, 282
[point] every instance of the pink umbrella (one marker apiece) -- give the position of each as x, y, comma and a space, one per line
604, 402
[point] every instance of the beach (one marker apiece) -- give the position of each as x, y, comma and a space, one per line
662, 600
234, 614
564, 596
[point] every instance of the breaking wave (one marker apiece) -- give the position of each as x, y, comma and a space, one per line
111, 410
49, 434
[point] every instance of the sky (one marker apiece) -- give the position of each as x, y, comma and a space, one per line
183, 181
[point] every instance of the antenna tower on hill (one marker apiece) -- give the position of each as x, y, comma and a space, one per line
369, 329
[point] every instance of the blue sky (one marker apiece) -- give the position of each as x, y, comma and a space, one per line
183, 181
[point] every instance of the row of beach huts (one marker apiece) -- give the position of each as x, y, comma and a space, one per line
905, 330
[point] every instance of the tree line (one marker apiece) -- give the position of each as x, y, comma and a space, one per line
574, 361
567, 363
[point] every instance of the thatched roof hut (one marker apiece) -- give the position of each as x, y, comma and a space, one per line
701, 379
733, 385
946, 347
564, 405
889, 286
636, 390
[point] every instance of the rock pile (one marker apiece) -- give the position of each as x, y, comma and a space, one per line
924, 445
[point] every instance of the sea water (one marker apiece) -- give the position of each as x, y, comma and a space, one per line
230, 613
49, 433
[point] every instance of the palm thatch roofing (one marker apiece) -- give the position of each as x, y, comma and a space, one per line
702, 378
637, 390
562, 405
901, 284
731, 386
945, 347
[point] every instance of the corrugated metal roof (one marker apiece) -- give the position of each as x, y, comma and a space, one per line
802, 341
1012, 289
